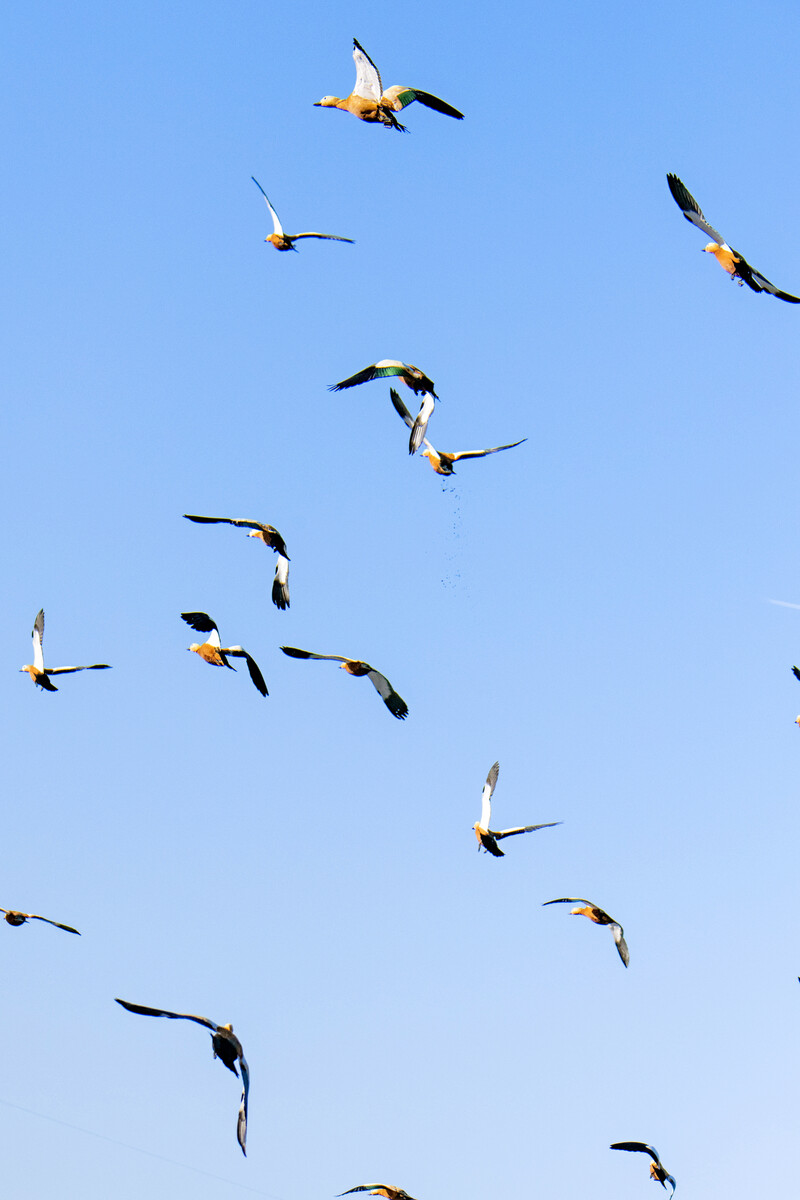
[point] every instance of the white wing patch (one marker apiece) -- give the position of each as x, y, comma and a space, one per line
368, 79
38, 637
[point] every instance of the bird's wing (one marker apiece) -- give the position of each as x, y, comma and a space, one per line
271, 536
398, 97
144, 1011
406, 416
203, 624
691, 209
395, 703
278, 228
639, 1146
486, 795
225, 521
420, 424
483, 453
568, 900
58, 925
379, 370
401, 410
329, 237
524, 829
280, 584
70, 670
367, 1187
671, 1179
796, 672
252, 666
622, 946
759, 283
38, 638
241, 1124
293, 652
368, 77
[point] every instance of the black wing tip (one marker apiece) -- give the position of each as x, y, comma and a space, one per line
796, 672
293, 652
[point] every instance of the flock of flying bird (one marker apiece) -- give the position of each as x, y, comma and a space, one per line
369, 102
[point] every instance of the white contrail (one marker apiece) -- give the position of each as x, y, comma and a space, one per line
784, 603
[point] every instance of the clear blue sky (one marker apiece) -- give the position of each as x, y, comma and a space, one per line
590, 608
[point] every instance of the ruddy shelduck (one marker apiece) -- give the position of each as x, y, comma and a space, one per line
37, 670
442, 462
369, 102
730, 260
657, 1171
216, 655
488, 838
378, 1189
599, 917
353, 666
285, 241
411, 376
19, 918
227, 1047
269, 535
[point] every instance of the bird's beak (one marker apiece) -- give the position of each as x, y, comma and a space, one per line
316, 104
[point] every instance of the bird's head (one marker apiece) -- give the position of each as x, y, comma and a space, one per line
797, 719
710, 248
326, 102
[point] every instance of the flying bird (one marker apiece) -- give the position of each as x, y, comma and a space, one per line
395, 703
211, 652
378, 1189
19, 918
657, 1172
730, 260
369, 102
269, 535
417, 380
600, 918
39, 673
441, 462
227, 1047
488, 838
285, 241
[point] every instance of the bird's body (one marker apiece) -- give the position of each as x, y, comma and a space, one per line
488, 838
730, 260
267, 534
226, 1046
369, 102
285, 241
354, 666
37, 670
658, 1172
13, 917
585, 908
216, 655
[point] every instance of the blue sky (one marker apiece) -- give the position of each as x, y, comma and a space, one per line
591, 608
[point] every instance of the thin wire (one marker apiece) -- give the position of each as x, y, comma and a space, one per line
138, 1149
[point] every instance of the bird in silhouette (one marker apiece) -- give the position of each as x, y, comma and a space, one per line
657, 1172
227, 1047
